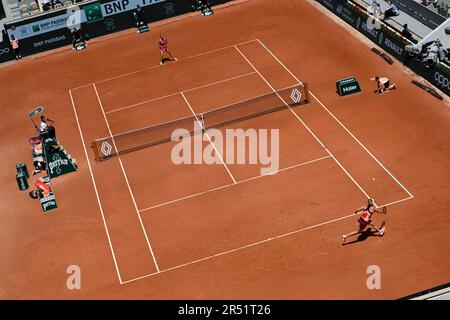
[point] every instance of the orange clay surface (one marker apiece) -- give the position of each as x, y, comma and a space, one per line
140, 226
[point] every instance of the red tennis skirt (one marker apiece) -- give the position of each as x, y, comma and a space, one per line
363, 223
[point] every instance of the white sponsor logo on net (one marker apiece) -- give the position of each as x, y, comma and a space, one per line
296, 96
442, 80
106, 148
235, 143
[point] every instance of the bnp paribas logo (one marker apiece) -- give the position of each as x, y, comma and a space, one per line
93, 12
36, 28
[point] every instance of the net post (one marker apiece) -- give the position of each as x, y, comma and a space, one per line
305, 85
95, 149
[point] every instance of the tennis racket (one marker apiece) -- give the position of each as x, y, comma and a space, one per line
384, 210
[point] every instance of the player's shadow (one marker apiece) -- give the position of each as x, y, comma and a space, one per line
164, 60
363, 236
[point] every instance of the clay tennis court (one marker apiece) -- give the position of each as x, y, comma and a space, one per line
140, 226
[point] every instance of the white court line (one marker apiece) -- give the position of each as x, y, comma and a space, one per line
241, 248
394, 202
126, 74
233, 184
82, 86
304, 124
158, 66
217, 50
207, 135
178, 92
104, 80
95, 189
126, 180
340, 123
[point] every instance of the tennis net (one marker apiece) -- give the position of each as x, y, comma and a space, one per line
108, 147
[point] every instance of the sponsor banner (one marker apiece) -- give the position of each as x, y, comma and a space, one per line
58, 162
6, 52
98, 11
53, 41
442, 81
47, 41
39, 27
92, 12
50, 31
117, 16
346, 14
439, 76
48, 201
119, 6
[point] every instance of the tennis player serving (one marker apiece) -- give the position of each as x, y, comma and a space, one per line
364, 221
163, 48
